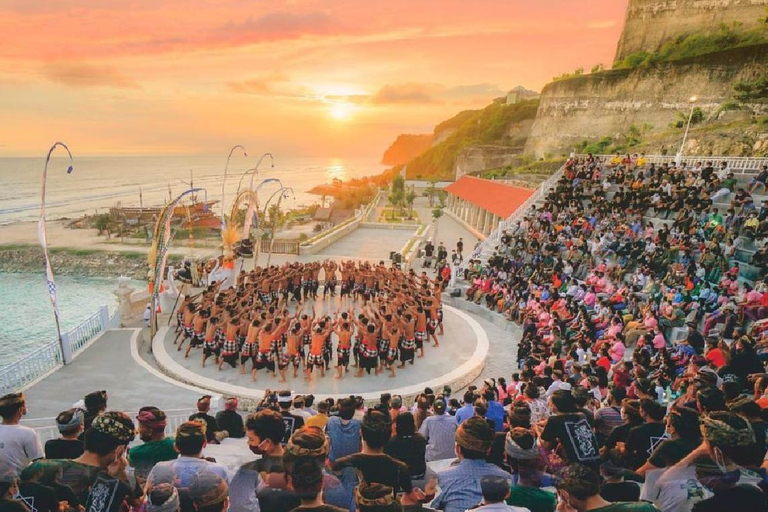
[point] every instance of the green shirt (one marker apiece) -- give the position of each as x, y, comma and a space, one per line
532, 498
629, 506
144, 456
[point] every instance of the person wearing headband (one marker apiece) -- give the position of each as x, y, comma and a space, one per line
69, 445
156, 447
101, 470
229, 419
293, 422
211, 427
460, 483
375, 497
19, 445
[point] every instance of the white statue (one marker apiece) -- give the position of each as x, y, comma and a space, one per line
123, 294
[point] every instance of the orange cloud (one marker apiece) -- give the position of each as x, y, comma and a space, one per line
74, 74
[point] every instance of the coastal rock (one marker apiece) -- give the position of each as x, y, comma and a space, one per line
73, 262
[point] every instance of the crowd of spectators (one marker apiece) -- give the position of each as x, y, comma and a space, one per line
640, 385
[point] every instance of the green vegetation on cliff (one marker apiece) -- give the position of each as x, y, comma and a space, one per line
471, 127
692, 45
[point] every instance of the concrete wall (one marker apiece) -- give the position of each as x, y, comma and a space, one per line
606, 104
324, 242
651, 23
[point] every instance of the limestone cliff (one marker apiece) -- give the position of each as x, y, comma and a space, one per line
606, 104
651, 23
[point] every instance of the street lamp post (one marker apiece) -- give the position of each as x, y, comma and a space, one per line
679, 158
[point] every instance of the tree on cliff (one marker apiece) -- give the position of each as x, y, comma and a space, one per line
410, 197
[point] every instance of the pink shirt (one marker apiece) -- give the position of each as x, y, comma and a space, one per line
659, 342
590, 299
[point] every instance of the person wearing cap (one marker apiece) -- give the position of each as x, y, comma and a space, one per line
211, 427
229, 419
156, 447
440, 432
68, 446
460, 484
101, 470
190, 440
19, 445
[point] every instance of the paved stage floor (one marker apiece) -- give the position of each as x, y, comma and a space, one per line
457, 345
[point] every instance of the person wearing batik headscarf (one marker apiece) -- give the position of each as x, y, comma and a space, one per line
70, 424
156, 447
98, 478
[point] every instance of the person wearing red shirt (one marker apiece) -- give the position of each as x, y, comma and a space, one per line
714, 354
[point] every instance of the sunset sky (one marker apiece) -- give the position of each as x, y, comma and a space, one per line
333, 78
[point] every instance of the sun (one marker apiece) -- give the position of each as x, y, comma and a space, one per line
341, 111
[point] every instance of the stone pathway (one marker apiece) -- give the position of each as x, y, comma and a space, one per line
106, 364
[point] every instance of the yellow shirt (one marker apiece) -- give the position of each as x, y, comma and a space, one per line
318, 420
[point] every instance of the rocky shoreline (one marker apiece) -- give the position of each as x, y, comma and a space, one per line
86, 263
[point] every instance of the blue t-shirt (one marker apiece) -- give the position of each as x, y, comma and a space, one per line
345, 439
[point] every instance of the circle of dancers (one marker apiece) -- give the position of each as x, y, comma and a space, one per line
383, 317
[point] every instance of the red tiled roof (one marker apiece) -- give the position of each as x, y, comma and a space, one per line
495, 197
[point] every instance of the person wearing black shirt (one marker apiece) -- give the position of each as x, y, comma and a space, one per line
614, 487
643, 439
408, 445
375, 465
571, 430
95, 404
69, 446
695, 338
38, 497
211, 427
230, 420
293, 422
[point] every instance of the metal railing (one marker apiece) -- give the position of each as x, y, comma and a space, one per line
280, 246
495, 237
26, 370
736, 164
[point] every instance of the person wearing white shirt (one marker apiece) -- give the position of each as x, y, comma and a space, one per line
558, 383
19, 445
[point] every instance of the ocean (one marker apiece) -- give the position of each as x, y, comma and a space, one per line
26, 315
98, 183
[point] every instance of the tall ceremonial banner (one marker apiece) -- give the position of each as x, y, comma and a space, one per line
41, 235
161, 241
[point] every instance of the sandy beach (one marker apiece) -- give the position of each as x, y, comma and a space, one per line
60, 236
